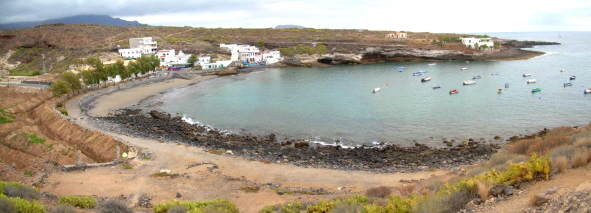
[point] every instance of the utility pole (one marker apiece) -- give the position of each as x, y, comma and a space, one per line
44, 72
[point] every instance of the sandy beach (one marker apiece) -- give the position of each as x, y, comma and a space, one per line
201, 183
129, 97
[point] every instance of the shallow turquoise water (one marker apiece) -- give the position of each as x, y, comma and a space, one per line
336, 103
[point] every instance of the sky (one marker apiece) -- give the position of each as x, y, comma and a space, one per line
454, 16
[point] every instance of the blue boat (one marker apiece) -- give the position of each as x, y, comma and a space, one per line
399, 70
416, 73
424, 71
536, 90
476, 77
568, 84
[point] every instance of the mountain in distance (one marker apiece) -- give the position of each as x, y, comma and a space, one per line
289, 26
80, 19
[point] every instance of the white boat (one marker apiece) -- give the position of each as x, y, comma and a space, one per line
499, 90
532, 81
467, 62
377, 89
526, 75
464, 68
587, 91
425, 79
469, 82
432, 64
562, 70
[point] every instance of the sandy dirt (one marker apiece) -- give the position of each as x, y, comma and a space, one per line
198, 183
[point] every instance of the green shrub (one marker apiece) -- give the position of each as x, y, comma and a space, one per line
113, 206
85, 202
501, 158
33, 139
452, 202
347, 208
5, 116
64, 112
22, 191
177, 209
127, 166
198, 206
3, 185
24, 206
6, 205
266, 209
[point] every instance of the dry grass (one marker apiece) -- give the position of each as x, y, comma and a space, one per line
581, 157
542, 147
561, 131
502, 158
532, 199
521, 146
560, 163
382, 191
483, 190
583, 142
407, 189
563, 151
476, 171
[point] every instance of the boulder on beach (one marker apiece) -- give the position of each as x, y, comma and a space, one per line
229, 71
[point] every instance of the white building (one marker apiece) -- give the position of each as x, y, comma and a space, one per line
397, 35
216, 65
271, 57
169, 58
139, 47
251, 54
204, 60
473, 42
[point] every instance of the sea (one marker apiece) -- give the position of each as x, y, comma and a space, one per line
336, 105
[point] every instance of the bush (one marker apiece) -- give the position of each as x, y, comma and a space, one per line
22, 191
521, 146
6, 206
443, 202
382, 191
63, 209
347, 208
434, 184
177, 209
544, 146
560, 163
24, 206
113, 206
64, 112
199, 206
563, 151
581, 157
505, 157
483, 189
476, 171
560, 131
3, 185
407, 189
85, 202
583, 142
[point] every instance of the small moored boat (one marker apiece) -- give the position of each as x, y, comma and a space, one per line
568, 84
587, 91
499, 90
416, 73
425, 79
377, 89
532, 81
424, 71
464, 68
436, 86
399, 70
536, 90
562, 70
454, 91
469, 82
432, 64
526, 75
573, 77
506, 85
476, 77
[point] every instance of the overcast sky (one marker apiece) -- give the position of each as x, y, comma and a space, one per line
454, 16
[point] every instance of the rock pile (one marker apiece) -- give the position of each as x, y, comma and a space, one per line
383, 158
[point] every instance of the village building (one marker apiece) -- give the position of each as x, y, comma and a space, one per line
396, 35
139, 47
478, 42
170, 58
251, 54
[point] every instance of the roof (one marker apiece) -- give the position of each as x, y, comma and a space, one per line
160, 51
486, 39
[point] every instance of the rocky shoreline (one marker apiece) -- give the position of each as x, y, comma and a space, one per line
384, 158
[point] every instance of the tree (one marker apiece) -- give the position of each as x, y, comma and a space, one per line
88, 77
72, 79
475, 45
60, 87
321, 48
192, 59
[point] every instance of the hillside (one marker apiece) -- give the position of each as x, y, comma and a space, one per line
62, 43
80, 19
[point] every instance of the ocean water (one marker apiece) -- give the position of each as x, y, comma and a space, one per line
336, 103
